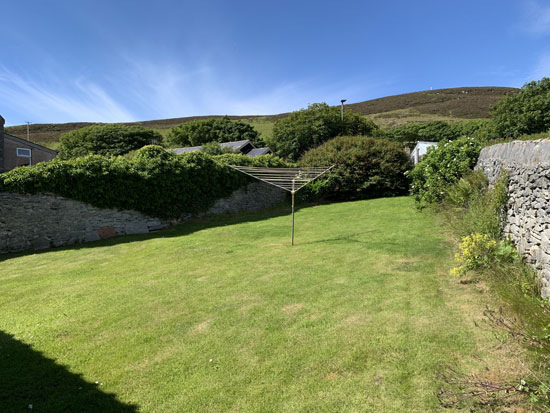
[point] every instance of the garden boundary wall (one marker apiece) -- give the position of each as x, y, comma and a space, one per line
41, 221
527, 217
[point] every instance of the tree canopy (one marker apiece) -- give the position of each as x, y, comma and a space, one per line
200, 132
525, 112
106, 140
308, 128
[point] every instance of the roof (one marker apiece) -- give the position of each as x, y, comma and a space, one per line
29, 143
259, 151
236, 145
187, 149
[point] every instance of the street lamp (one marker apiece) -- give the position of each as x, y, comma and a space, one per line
342, 110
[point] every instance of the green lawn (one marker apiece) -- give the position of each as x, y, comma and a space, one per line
224, 315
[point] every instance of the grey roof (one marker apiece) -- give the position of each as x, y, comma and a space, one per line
236, 145
29, 143
259, 151
187, 149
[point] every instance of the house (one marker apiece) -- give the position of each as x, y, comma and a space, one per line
245, 147
420, 150
16, 152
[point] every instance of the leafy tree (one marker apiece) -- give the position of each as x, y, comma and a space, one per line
525, 112
200, 132
364, 167
311, 127
106, 140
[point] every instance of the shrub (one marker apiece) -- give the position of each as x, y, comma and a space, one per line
476, 208
308, 128
364, 167
436, 131
106, 140
200, 132
441, 167
154, 181
526, 112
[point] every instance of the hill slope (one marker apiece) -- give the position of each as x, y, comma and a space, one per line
442, 104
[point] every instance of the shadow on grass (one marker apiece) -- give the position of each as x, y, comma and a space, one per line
28, 380
178, 230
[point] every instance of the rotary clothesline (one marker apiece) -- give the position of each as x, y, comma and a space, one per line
289, 179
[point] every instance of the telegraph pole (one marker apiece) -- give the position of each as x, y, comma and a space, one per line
28, 133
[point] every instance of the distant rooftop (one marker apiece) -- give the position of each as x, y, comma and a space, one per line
245, 147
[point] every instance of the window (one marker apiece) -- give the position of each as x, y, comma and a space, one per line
24, 152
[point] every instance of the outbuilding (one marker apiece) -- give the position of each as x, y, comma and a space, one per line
420, 150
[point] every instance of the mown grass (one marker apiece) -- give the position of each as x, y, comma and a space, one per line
223, 314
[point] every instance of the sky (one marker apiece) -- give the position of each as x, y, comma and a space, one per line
121, 61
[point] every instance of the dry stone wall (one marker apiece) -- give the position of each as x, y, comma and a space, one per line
527, 219
42, 221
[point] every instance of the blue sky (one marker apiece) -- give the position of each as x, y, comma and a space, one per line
119, 60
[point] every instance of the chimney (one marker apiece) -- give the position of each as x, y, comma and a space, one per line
2, 121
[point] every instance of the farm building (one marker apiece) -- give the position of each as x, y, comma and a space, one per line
16, 152
245, 147
420, 150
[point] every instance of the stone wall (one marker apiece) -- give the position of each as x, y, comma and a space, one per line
527, 220
44, 220
257, 195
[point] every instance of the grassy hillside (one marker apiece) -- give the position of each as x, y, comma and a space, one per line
451, 105
224, 315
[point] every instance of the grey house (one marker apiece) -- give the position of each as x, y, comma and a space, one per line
16, 152
245, 147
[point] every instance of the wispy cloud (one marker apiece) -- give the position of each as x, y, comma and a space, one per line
541, 69
537, 18
143, 90
172, 90
56, 101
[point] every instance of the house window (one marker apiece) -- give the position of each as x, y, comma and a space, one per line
24, 152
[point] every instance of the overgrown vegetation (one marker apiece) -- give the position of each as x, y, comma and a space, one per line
524, 113
106, 140
436, 131
153, 181
200, 132
311, 127
474, 213
441, 167
363, 168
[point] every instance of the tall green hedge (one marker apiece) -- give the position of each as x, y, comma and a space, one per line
154, 181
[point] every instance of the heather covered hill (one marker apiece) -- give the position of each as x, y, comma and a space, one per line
451, 105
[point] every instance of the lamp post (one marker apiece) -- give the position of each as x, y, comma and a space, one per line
342, 110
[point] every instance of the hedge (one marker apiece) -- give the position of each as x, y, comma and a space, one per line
154, 181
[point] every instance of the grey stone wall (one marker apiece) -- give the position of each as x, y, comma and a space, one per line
42, 221
45, 220
527, 219
257, 195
